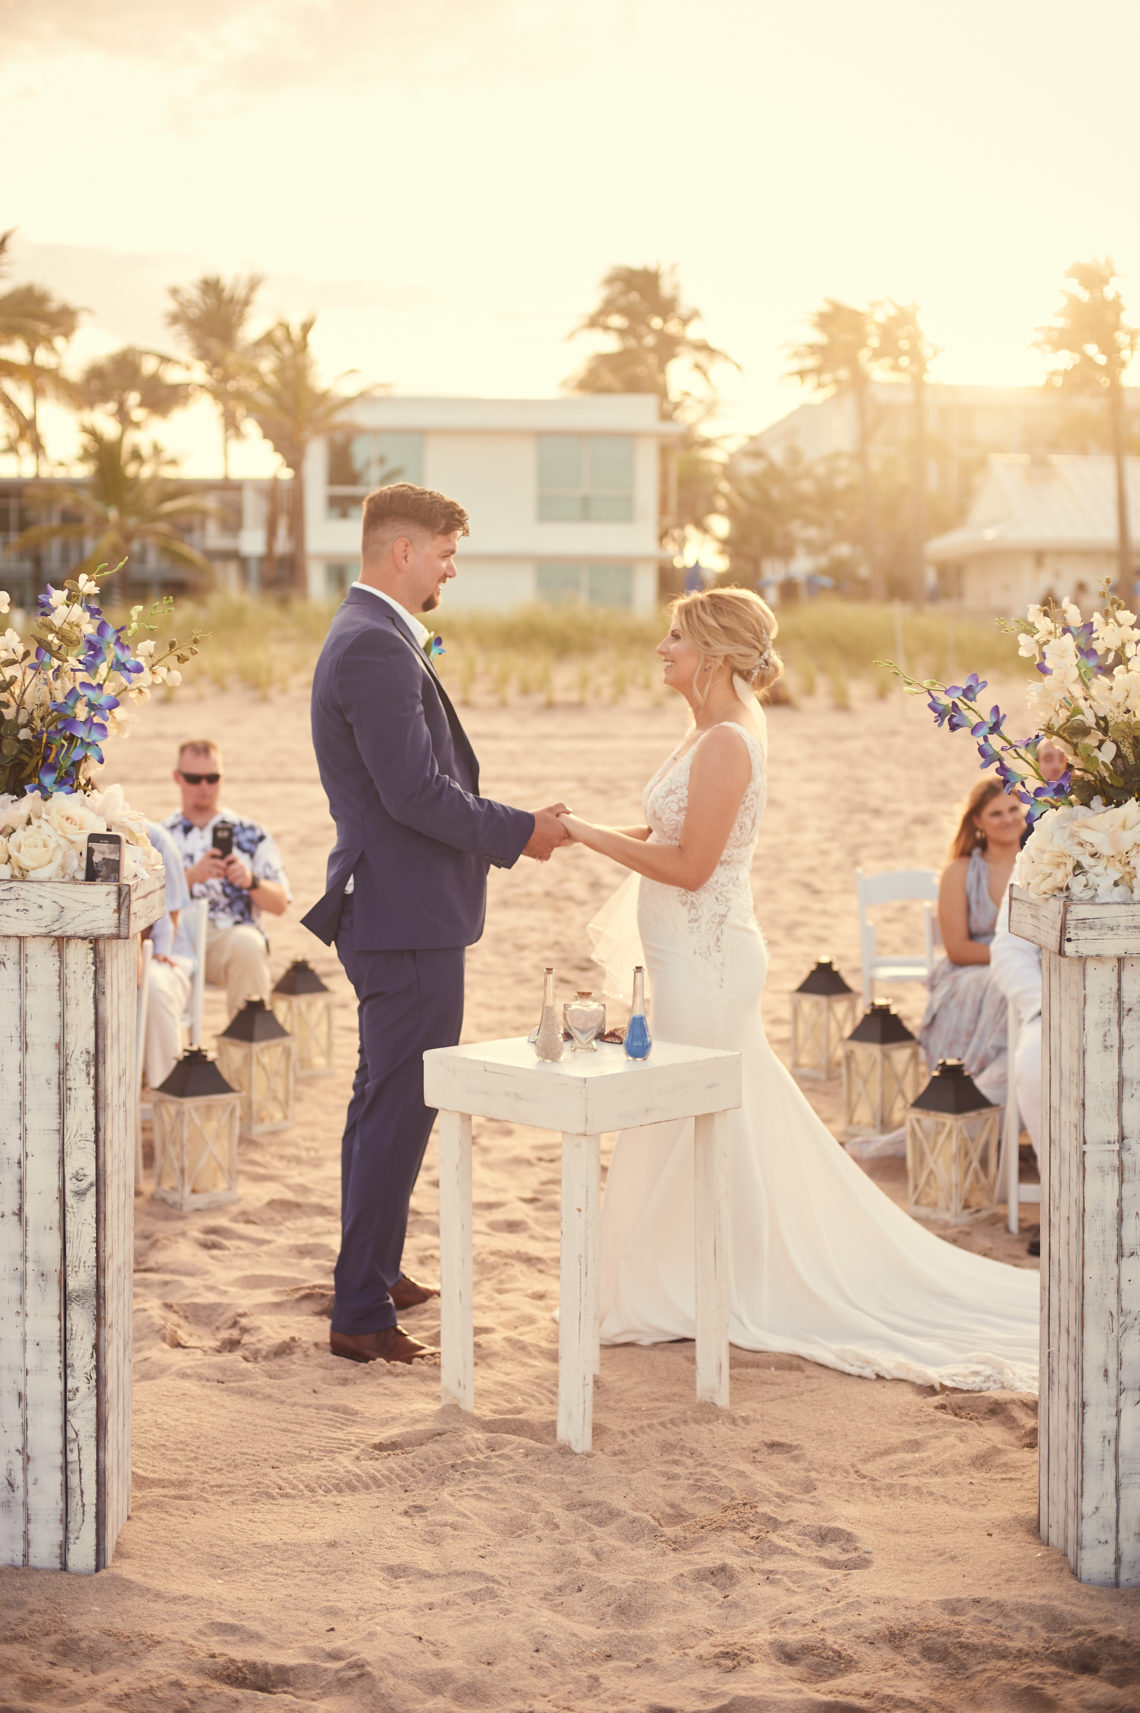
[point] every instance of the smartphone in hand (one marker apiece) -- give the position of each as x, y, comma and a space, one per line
224, 838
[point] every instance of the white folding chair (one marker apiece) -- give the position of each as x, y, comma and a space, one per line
142, 1005
1009, 1163
895, 886
196, 916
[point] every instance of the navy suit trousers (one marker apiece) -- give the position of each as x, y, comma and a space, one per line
409, 1001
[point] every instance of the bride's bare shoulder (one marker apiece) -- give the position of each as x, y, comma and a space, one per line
730, 734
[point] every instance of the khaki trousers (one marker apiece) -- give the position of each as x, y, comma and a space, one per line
238, 960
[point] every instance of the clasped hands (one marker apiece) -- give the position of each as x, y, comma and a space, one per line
553, 826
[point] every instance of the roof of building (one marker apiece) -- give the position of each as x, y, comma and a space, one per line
1049, 501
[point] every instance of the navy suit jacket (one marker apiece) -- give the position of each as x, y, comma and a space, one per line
403, 787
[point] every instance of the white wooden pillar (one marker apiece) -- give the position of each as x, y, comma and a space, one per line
578, 1290
68, 986
710, 1209
1089, 1427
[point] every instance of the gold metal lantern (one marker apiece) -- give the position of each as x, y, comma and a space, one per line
880, 1072
952, 1147
256, 1054
197, 1115
303, 1005
824, 1010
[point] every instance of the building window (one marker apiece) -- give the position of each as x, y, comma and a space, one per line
360, 462
597, 585
585, 476
338, 579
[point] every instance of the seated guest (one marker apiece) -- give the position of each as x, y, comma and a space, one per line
1052, 761
965, 1012
238, 888
1016, 966
172, 966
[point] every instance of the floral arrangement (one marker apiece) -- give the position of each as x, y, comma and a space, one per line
1087, 703
70, 684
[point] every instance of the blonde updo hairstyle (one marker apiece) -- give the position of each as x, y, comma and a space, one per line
733, 627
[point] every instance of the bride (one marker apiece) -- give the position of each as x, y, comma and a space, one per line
821, 1263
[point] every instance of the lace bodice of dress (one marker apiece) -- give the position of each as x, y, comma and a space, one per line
726, 897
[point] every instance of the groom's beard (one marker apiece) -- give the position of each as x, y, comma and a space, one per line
432, 601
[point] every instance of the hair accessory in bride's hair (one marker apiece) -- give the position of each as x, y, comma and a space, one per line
763, 664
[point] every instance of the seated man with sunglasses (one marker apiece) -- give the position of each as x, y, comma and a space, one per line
238, 887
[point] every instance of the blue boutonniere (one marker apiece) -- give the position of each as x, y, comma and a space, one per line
434, 646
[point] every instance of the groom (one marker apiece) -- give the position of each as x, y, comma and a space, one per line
406, 886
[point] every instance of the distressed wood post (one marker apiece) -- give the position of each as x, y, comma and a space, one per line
1089, 1433
68, 988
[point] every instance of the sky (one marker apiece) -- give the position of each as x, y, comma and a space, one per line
445, 182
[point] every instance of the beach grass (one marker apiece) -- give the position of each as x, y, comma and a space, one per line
565, 655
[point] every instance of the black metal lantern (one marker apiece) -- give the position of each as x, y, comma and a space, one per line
880, 1071
197, 1115
952, 1146
823, 1011
303, 1005
256, 1054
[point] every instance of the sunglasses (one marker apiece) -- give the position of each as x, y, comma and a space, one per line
201, 778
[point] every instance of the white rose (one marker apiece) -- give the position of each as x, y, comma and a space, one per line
18, 811
42, 854
72, 817
1047, 871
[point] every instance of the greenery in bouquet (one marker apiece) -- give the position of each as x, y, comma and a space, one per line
69, 684
1086, 701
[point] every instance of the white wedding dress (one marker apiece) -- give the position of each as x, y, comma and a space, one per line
821, 1263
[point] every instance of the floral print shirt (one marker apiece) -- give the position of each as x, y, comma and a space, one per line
229, 905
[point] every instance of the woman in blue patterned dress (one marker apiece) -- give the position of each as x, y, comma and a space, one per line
965, 1012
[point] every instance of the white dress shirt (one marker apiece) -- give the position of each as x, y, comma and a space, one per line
1015, 965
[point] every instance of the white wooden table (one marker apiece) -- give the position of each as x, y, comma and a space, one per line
581, 1096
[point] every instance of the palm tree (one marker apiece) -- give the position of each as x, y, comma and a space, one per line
839, 357
641, 310
1096, 345
284, 396
211, 319
131, 386
38, 323
128, 502
763, 505
903, 349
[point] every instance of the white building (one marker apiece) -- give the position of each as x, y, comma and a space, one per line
964, 425
1039, 525
562, 493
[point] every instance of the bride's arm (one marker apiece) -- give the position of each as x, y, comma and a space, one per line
718, 779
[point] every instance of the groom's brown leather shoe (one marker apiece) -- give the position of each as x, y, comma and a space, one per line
409, 1294
390, 1345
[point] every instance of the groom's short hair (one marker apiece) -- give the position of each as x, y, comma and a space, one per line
397, 510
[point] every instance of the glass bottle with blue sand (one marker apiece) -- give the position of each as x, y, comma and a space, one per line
638, 1040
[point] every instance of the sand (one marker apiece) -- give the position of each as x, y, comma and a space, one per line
329, 1535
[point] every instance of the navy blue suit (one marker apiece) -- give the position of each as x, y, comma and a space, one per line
411, 829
